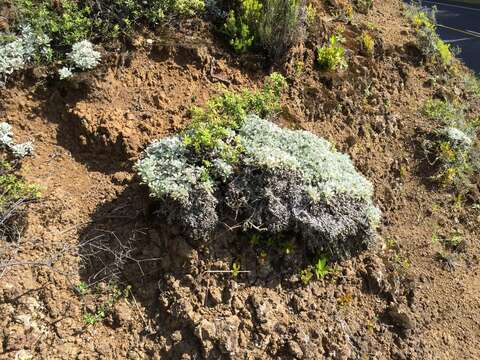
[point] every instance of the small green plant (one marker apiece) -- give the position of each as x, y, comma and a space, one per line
310, 14
367, 44
106, 297
81, 288
93, 318
235, 269
306, 275
15, 194
321, 268
445, 54
363, 6
420, 16
331, 56
391, 244
402, 261
454, 242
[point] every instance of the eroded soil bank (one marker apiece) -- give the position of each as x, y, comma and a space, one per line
397, 301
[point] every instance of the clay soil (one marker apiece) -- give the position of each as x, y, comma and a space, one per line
399, 300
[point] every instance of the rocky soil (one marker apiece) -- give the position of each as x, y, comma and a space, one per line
409, 298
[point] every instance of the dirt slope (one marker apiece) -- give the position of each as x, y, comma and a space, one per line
395, 302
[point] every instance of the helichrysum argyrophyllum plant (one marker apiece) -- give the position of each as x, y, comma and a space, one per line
277, 180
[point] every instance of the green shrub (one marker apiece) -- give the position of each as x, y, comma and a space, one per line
367, 44
273, 25
331, 56
454, 147
238, 25
420, 16
65, 25
120, 17
432, 47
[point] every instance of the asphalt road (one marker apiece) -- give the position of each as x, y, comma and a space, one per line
465, 19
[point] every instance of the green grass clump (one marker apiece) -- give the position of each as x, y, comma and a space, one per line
331, 56
444, 112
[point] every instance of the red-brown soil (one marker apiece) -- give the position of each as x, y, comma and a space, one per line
397, 301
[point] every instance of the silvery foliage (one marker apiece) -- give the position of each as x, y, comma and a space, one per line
428, 42
83, 56
22, 150
325, 171
65, 73
5, 135
166, 169
14, 55
6, 142
285, 181
457, 136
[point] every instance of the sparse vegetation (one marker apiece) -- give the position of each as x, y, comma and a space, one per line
252, 193
431, 45
105, 298
454, 148
331, 56
363, 6
15, 193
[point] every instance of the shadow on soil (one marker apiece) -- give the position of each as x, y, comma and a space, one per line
55, 101
170, 278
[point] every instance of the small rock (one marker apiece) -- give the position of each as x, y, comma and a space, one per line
122, 314
176, 337
399, 318
215, 296
295, 349
66, 327
121, 178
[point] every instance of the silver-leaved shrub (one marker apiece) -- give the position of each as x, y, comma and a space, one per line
283, 181
17, 53
7, 143
83, 56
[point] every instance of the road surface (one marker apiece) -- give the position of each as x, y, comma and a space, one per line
465, 19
